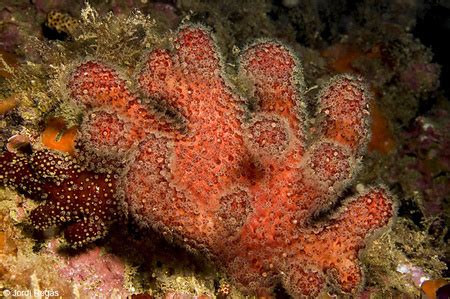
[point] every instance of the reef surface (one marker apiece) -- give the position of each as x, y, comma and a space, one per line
136, 144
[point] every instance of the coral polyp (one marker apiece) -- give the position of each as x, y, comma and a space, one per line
240, 182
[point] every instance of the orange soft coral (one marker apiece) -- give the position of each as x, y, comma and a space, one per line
240, 184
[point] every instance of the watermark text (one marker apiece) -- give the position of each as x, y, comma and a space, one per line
30, 293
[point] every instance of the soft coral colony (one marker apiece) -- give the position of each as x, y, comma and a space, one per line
238, 178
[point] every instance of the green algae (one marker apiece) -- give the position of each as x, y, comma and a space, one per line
405, 245
39, 83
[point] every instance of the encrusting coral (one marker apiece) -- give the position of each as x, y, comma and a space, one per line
242, 185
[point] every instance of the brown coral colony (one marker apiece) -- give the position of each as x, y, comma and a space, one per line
241, 185
72, 194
